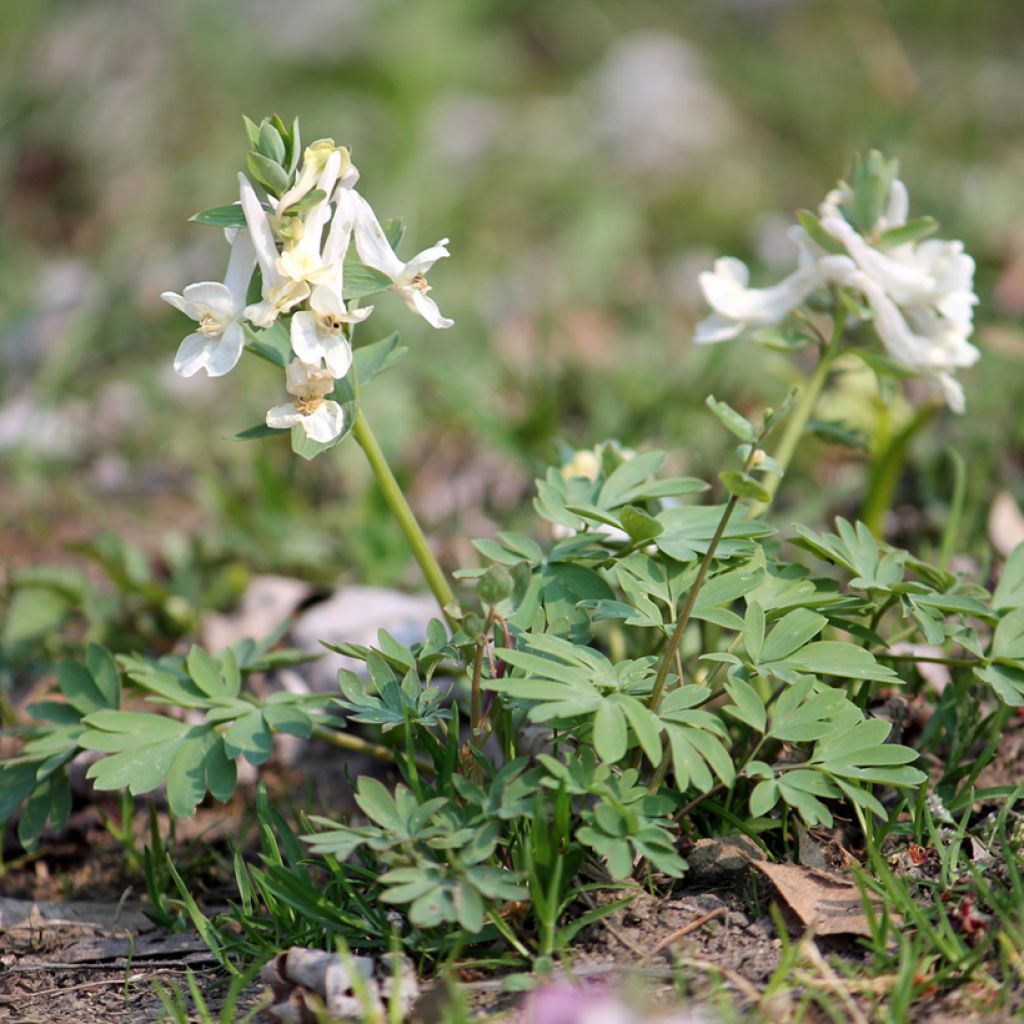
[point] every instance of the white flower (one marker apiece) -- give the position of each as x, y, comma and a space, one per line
302, 259
280, 293
217, 346
321, 419
319, 333
920, 338
921, 294
737, 307
408, 279
314, 160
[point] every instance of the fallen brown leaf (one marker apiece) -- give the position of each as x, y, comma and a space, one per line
826, 903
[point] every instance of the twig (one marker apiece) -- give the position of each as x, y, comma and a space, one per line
821, 965
710, 967
685, 930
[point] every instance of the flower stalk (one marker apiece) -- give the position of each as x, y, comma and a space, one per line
797, 420
403, 513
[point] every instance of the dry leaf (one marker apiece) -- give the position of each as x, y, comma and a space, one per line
828, 904
1005, 524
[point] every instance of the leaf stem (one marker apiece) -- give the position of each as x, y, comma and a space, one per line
669, 655
400, 509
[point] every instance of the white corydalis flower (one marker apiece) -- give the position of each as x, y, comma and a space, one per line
319, 333
314, 161
302, 259
921, 294
217, 308
322, 419
738, 307
280, 293
408, 279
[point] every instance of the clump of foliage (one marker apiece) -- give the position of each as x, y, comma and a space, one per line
660, 667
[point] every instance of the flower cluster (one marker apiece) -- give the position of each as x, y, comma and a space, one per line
297, 240
918, 291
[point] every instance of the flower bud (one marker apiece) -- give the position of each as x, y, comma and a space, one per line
494, 586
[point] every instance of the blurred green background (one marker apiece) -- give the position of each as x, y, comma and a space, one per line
587, 158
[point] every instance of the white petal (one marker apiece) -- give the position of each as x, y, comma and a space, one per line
262, 314
905, 282
899, 205
357, 316
423, 261
281, 417
338, 355
260, 232
192, 355
757, 307
225, 353
419, 302
306, 341
900, 341
212, 296
177, 301
240, 267
340, 235
325, 423
297, 376
371, 243
349, 178
715, 328
952, 391
326, 300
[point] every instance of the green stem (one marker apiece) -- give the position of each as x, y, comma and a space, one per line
669, 654
796, 422
432, 571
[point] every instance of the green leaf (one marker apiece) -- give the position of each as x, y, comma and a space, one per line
627, 476
305, 447
359, 281
835, 432
139, 769
1008, 638
1010, 591
791, 632
871, 182
1007, 682
747, 706
257, 432
743, 486
105, 674
77, 684
205, 673
832, 658
610, 739
33, 612
250, 736
272, 344
639, 524
915, 230
810, 223
230, 216
272, 176
270, 143
373, 359
734, 421
753, 630
764, 797
186, 778
644, 723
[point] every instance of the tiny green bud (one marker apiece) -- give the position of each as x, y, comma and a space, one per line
473, 626
494, 586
